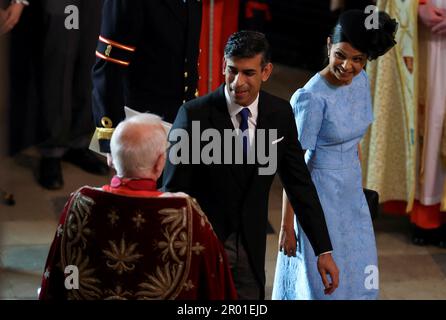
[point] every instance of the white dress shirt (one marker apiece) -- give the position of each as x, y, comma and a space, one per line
236, 118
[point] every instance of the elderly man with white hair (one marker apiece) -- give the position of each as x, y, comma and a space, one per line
138, 154
127, 240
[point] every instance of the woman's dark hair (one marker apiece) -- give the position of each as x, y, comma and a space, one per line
248, 44
374, 42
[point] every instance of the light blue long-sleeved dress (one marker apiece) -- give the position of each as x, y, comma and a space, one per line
331, 122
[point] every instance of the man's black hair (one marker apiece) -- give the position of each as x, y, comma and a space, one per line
248, 44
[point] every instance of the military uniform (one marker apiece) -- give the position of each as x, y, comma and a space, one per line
147, 57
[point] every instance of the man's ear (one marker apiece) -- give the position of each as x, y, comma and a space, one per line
110, 161
266, 72
224, 66
329, 45
159, 165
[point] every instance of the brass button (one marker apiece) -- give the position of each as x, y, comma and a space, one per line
108, 50
186, 74
184, 101
186, 88
197, 93
106, 122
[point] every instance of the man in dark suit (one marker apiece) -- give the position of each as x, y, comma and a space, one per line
147, 59
235, 196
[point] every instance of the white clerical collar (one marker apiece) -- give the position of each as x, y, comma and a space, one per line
234, 109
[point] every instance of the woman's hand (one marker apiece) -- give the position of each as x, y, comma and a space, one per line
11, 17
288, 241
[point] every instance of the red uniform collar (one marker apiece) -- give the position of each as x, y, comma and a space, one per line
134, 184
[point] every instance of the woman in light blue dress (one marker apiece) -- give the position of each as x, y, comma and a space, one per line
333, 112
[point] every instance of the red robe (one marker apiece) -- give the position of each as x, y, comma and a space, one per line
128, 241
225, 22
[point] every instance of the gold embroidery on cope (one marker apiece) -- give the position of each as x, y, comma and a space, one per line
122, 259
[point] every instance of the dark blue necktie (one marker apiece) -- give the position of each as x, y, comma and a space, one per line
244, 113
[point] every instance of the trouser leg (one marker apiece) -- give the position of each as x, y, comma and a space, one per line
248, 288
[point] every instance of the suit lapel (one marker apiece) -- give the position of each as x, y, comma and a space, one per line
221, 120
263, 112
264, 122
220, 116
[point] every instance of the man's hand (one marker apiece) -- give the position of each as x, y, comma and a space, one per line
11, 17
430, 15
288, 241
326, 265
